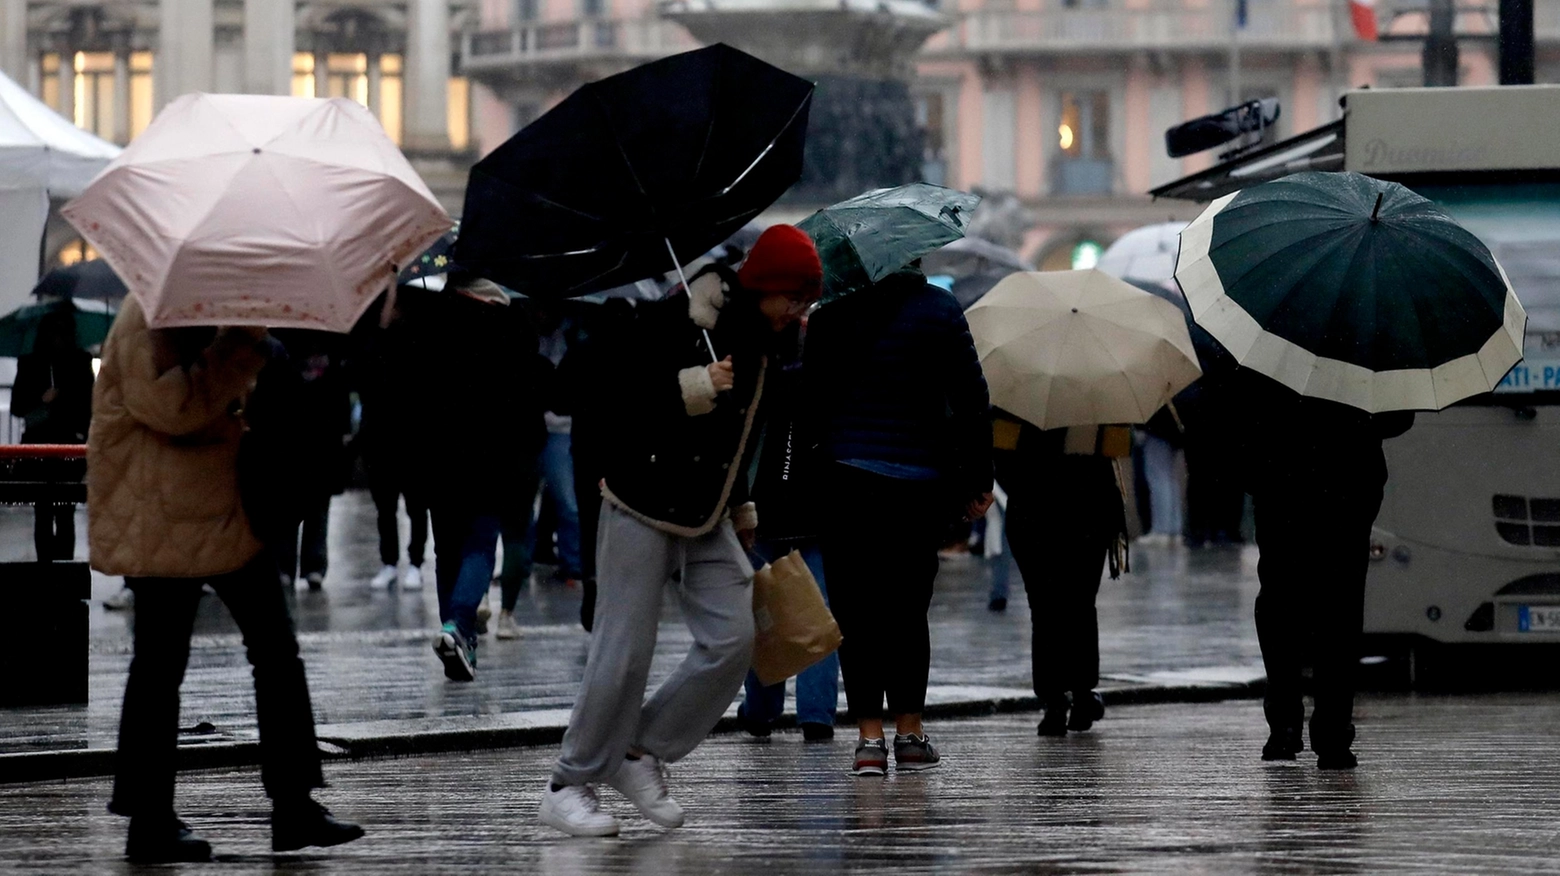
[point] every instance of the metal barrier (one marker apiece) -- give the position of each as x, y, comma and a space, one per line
51, 597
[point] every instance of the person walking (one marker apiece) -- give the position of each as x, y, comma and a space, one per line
785, 486
675, 499
53, 396
903, 420
165, 512
1316, 473
295, 453
385, 375
1159, 446
1066, 522
477, 371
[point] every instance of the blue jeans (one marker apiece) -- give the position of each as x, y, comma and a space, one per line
1164, 491
818, 687
1002, 568
467, 547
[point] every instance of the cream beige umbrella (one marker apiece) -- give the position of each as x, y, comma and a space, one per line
1080, 348
258, 210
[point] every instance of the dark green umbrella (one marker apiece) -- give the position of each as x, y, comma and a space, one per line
872, 235
19, 328
1348, 288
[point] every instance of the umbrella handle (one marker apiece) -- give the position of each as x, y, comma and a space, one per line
708, 344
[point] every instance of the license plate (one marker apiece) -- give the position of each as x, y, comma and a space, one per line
1538, 618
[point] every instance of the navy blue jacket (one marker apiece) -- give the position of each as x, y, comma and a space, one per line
893, 377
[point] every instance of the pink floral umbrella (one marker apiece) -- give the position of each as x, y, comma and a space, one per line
258, 210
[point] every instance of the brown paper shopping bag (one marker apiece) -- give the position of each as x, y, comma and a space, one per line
794, 626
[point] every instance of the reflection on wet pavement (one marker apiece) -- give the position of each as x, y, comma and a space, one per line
368, 652
1448, 785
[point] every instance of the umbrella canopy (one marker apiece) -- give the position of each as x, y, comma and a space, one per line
1146, 253
872, 235
435, 260
19, 328
1080, 348
629, 173
256, 210
974, 257
86, 279
1348, 288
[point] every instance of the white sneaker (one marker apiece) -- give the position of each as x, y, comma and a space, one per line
124, 599
384, 579
643, 782
575, 810
507, 628
412, 580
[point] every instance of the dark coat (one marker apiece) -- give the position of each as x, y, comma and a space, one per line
893, 376
298, 416
480, 387
785, 477
63, 420
678, 455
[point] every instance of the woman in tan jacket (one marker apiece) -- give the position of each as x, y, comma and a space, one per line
165, 512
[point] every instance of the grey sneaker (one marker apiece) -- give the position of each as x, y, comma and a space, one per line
871, 758
913, 752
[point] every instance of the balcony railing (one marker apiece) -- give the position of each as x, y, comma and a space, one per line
1062, 29
581, 40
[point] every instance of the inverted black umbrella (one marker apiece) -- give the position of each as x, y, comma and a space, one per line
635, 174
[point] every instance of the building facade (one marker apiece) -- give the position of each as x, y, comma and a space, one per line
1056, 109
109, 65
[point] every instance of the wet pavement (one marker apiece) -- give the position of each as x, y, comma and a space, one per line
1447, 785
1179, 615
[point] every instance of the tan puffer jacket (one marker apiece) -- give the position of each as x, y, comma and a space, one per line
162, 453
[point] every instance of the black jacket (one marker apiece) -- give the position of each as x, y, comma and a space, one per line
786, 473
481, 385
63, 420
892, 376
677, 455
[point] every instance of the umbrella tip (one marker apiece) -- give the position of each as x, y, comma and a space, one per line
1377, 211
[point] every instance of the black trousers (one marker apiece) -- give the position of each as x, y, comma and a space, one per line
1061, 520
149, 723
312, 516
880, 559
387, 493
54, 532
1314, 537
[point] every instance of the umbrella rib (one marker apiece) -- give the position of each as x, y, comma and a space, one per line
617, 141
770, 148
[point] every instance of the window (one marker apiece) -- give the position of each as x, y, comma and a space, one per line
459, 113
1084, 164
390, 95
93, 100
77, 251
303, 75
528, 10
141, 105
593, 8
929, 119
347, 76
49, 67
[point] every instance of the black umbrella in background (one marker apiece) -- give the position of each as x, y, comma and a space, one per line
85, 279
635, 174
1211, 355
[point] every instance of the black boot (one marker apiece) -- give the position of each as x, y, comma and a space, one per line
1336, 759
302, 822
1088, 707
164, 840
1283, 744
1055, 721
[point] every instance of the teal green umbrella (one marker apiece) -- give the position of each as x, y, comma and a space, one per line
1347, 288
872, 235
19, 328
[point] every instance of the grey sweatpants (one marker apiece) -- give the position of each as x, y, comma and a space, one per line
713, 581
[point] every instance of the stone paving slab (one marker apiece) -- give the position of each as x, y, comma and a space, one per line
1463, 785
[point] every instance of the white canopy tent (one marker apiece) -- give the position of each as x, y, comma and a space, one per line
42, 155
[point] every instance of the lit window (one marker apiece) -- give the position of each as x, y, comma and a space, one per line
141, 105
49, 66
390, 96
303, 74
460, 113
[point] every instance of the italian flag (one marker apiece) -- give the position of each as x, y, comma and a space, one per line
1363, 14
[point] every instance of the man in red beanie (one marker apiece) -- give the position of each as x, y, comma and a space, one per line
685, 419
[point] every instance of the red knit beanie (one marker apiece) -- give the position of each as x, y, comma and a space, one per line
783, 260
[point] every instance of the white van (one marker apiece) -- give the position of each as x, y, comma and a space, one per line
1466, 549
